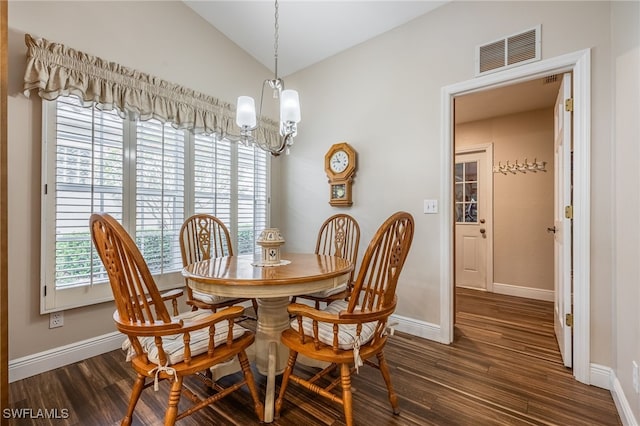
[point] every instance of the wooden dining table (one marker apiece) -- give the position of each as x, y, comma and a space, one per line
272, 286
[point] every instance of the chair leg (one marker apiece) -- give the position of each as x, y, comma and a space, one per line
251, 384
138, 386
254, 302
174, 399
345, 375
384, 369
285, 381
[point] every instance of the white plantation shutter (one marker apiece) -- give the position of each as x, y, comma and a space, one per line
140, 173
212, 178
251, 197
88, 178
160, 196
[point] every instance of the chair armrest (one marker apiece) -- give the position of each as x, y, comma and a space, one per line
299, 309
173, 296
176, 326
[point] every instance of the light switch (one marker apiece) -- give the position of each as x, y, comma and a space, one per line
431, 206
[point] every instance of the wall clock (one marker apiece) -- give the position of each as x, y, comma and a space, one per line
340, 166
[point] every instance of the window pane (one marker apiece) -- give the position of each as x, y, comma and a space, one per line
159, 194
251, 197
88, 178
212, 178
471, 171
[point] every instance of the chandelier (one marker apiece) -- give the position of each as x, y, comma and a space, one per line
289, 110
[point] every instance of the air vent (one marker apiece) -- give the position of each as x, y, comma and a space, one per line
516, 49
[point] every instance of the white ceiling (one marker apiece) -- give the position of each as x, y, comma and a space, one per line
313, 30
310, 31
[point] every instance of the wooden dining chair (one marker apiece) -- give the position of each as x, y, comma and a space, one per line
339, 236
202, 237
348, 334
162, 347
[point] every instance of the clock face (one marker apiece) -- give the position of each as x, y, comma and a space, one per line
339, 161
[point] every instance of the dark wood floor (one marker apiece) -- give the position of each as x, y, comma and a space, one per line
504, 368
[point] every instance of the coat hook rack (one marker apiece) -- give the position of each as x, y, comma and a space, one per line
524, 167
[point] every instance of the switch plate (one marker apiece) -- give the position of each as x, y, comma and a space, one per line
636, 386
56, 319
430, 206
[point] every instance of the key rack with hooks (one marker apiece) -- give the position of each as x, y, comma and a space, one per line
517, 167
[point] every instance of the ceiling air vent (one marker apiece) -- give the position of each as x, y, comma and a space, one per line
516, 49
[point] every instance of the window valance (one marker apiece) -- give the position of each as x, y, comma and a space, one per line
56, 70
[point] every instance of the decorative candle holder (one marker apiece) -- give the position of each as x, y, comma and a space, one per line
270, 240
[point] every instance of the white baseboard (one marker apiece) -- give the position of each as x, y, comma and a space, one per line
417, 328
528, 292
31, 365
601, 376
622, 403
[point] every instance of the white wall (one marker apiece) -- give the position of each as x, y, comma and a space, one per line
383, 97
165, 39
625, 24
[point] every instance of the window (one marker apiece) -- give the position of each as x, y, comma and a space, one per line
466, 175
147, 175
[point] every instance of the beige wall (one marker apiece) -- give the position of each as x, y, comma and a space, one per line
523, 202
384, 98
625, 25
171, 42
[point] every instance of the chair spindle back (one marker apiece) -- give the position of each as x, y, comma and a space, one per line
339, 236
375, 285
135, 292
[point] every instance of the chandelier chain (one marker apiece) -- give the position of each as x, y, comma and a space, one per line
276, 39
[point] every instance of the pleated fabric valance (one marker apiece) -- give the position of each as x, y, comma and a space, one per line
55, 69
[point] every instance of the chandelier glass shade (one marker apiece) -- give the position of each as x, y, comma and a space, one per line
246, 117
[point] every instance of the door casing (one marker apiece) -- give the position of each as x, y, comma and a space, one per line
580, 64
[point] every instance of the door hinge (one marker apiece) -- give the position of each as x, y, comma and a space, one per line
568, 105
568, 212
569, 320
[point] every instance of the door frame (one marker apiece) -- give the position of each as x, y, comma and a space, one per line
580, 64
487, 148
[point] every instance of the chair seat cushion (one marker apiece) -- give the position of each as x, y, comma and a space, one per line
346, 332
173, 345
329, 292
210, 298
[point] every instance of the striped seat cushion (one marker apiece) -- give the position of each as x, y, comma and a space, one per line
346, 332
330, 292
209, 298
173, 345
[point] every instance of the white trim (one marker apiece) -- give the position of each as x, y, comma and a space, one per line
415, 327
520, 291
30, 365
580, 63
602, 376
622, 403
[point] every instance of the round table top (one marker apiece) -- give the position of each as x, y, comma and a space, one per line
238, 275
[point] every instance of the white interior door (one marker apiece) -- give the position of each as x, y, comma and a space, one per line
473, 219
562, 223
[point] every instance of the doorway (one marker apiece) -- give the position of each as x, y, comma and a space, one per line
512, 221
579, 64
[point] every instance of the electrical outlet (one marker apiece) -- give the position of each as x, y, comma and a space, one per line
56, 319
636, 386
